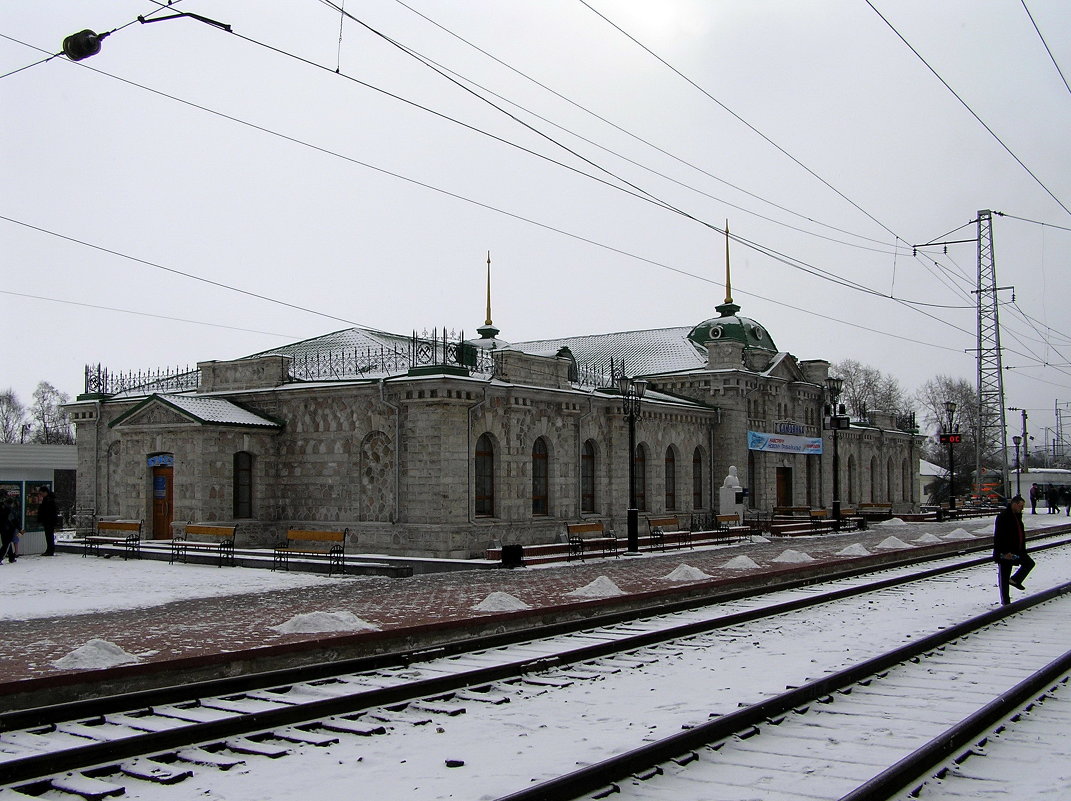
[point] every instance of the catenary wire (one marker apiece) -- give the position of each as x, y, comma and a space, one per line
769, 252
143, 314
648, 143
970, 110
1046, 45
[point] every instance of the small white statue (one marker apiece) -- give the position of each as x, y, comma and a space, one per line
731, 480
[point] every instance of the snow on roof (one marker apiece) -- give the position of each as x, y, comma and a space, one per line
659, 350
216, 410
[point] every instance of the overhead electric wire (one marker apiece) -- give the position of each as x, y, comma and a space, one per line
642, 140
102, 35
144, 314
1034, 222
740, 119
1046, 45
967, 106
767, 251
750, 126
818, 272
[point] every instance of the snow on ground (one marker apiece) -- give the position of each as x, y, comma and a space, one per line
95, 654
602, 587
499, 601
686, 573
317, 622
740, 563
893, 544
858, 549
794, 557
67, 584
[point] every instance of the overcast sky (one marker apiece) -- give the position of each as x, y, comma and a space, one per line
184, 162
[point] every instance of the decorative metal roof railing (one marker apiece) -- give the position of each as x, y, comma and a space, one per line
102, 381
428, 349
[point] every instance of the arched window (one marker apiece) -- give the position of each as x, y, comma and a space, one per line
243, 484
890, 474
697, 479
540, 482
641, 476
906, 481
587, 477
875, 479
852, 480
485, 477
671, 479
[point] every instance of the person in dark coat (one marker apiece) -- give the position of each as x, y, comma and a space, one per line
1034, 493
47, 518
1009, 549
1051, 499
9, 528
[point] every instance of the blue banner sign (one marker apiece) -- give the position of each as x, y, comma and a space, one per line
162, 460
783, 443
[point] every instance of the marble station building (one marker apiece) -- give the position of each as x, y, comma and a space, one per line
434, 445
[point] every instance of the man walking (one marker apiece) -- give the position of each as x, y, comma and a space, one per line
1009, 549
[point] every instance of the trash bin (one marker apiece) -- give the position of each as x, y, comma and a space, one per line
512, 556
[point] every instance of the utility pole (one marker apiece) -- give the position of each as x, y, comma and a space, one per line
992, 425
991, 440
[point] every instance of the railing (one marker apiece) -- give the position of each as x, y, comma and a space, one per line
101, 381
422, 350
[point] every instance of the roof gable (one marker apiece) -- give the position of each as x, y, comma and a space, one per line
191, 410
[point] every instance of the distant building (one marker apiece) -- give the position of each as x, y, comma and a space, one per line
24, 468
434, 445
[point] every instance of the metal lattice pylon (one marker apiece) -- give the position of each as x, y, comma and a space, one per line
992, 449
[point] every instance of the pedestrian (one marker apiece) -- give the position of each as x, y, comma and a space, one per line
1065, 499
1009, 549
1034, 493
9, 529
1051, 499
47, 517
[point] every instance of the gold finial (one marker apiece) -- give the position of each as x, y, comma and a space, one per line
728, 276
488, 320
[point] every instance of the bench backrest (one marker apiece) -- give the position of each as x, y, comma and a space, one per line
119, 525
316, 536
875, 506
819, 514
791, 510
584, 529
226, 532
720, 519
670, 523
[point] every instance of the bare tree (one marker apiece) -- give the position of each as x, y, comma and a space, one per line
12, 416
932, 398
50, 423
868, 389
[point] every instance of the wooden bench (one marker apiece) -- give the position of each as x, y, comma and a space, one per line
330, 545
821, 521
876, 511
125, 534
791, 511
661, 528
220, 539
583, 537
728, 528
851, 520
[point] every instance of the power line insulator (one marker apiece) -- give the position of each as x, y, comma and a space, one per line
81, 45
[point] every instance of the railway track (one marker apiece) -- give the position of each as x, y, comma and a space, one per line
123, 744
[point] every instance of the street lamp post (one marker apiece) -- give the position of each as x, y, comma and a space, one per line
951, 436
833, 390
632, 391
1017, 441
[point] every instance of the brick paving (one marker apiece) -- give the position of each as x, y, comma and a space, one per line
240, 625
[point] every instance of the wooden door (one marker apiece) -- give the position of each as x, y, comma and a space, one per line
784, 486
162, 481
